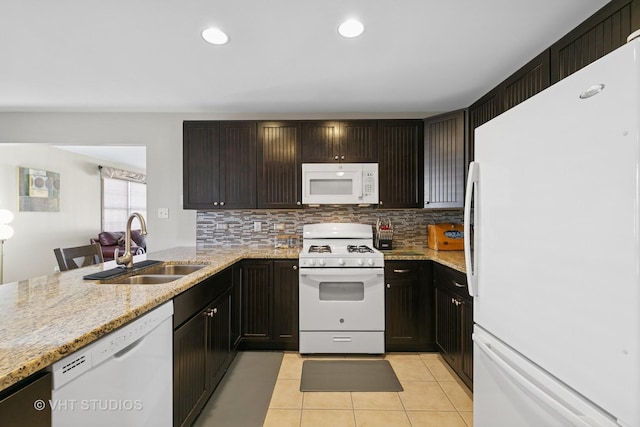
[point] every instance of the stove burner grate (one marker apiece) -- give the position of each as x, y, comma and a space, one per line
359, 249
319, 249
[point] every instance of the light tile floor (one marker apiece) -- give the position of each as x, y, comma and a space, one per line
433, 396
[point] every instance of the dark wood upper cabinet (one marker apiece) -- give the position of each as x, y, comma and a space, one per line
401, 163
345, 141
219, 165
201, 155
320, 142
603, 32
444, 160
480, 112
526, 82
359, 141
238, 165
279, 165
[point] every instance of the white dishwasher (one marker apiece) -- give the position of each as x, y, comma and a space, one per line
124, 379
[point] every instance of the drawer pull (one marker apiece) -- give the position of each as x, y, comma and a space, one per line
402, 271
458, 285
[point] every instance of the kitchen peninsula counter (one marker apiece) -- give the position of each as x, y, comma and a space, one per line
47, 318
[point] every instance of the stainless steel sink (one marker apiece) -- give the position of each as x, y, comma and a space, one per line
174, 269
147, 279
157, 274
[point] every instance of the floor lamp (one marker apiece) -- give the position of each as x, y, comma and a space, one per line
6, 232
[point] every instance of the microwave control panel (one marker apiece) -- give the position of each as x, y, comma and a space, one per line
369, 183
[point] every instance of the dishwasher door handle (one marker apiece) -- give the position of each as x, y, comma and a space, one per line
128, 348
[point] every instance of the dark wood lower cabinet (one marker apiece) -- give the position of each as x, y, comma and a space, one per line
269, 305
17, 402
408, 306
454, 321
202, 348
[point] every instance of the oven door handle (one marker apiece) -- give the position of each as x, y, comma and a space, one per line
340, 271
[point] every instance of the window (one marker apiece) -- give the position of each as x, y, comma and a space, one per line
120, 197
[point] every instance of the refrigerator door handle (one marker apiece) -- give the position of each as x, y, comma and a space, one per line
558, 406
472, 191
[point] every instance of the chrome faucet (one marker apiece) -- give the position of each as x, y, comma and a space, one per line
127, 258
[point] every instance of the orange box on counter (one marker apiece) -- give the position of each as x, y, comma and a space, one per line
445, 237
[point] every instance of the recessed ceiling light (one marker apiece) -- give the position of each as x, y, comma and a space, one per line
351, 28
214, 36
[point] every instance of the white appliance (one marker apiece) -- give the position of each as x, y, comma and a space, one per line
340, 183
555, 271
341, 290
123, 379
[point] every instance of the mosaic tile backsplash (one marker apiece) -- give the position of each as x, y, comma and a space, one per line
236, 227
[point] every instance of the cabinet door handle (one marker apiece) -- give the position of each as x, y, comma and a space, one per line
210, 312
221, 203
215, 203
458, 285
298, 203
342, 158
335, 157
295, 267
388, 285
380, 203
402, 271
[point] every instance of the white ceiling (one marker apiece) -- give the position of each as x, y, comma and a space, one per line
284, 56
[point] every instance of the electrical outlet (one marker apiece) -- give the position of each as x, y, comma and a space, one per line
163, 213
278, 227
257, 226
222, 226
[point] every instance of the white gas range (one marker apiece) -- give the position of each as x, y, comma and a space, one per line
341, 290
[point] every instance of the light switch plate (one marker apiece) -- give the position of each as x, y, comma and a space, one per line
163, 213
278, 227
257, 226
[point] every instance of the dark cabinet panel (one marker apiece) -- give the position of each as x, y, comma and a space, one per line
345, 141
190, 387
219, 165
201, 155
257, 299
269, 305
448, 326
238, 165
603, 32
454, 321
408, 306
402, 304
359, 141
526, 82
483, 110
320, 142
444, 161
279, 165
218, 315
285, 303
17, 402
401, 163
201, 344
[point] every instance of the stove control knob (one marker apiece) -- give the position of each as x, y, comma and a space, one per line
312, 261
341, 261
321, 262
370, 262
360, 261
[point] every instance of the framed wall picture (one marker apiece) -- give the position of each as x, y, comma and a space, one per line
38, 190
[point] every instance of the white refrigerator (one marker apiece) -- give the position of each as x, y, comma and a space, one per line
553, 197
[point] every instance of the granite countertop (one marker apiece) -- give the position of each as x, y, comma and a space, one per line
47, 318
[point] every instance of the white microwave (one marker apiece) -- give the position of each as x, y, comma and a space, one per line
340, 183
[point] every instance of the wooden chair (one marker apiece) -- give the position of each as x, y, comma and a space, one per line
80, 256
